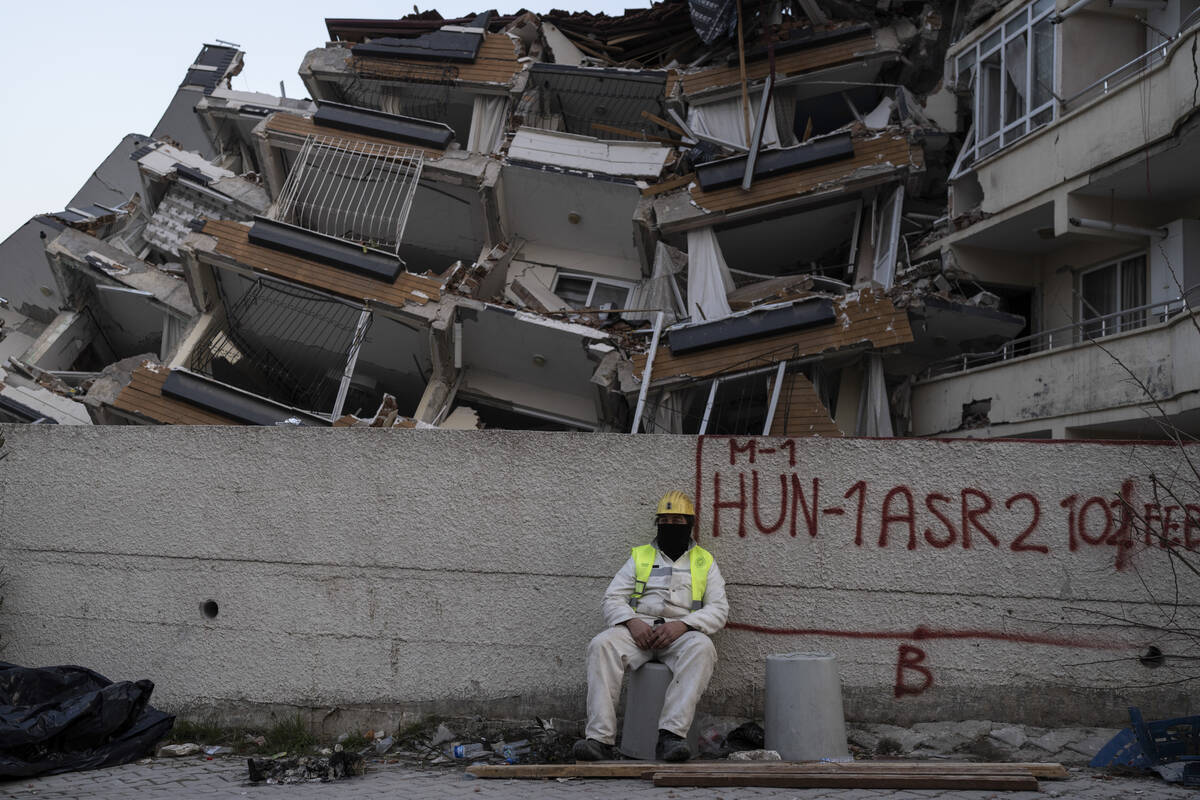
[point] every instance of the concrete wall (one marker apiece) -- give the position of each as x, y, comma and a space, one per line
385, 573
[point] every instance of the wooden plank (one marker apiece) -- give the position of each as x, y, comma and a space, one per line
789, 64
496, 62
864, 767
600, 126
582, 769
671, 126
233, 242
804, 414
882, 150
881, 324
647, 769
143, 395
797, 780
668, 185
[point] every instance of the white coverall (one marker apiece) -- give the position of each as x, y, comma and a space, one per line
691, 657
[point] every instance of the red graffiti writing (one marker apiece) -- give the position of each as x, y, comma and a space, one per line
751, 496
922, 633
911, 659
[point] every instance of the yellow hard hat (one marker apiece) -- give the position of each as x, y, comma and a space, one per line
676, 503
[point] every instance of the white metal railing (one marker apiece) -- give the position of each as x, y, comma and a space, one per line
358, 191
1085, 331
1124, 72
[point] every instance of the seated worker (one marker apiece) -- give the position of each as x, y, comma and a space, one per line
661, 606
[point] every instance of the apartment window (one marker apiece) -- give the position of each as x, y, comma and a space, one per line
1107, 291
584, 291
1012, 73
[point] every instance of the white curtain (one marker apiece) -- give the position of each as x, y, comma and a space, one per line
487, 123
874, 415
660, 291
887, 239
724, 120
708, 277
665, 413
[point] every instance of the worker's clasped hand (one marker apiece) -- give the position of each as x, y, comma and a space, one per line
658, 637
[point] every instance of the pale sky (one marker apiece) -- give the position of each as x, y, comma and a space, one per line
80, 75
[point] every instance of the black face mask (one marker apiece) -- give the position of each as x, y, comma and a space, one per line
673, 539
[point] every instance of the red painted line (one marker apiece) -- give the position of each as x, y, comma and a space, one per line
921, 633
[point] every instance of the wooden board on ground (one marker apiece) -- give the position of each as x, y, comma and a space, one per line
857, 780
647, 769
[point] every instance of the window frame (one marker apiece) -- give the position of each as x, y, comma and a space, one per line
1119, 324
596, 281
995, 43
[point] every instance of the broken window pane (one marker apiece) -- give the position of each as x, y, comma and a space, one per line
607, 295
574, 290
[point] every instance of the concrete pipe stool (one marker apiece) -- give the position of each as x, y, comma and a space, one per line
643, 703
803, 715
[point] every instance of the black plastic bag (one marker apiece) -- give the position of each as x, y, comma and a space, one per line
61, 719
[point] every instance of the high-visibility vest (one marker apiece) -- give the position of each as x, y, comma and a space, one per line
643, 562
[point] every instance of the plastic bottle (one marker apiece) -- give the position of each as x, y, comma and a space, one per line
468, 750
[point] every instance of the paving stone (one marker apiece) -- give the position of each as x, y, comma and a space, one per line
1089, 746
973, 728
861, 737
1011, 735
1055, 739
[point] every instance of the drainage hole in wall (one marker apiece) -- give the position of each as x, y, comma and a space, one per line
209, 608
1153, 657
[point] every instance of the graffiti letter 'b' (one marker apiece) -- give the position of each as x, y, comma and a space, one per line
911, 658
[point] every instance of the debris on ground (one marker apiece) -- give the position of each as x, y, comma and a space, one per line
178, 750
305, 769
755, 755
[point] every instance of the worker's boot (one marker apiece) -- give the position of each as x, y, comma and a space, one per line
592, 750
672, 747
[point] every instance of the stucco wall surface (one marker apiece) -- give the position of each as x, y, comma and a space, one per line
390, 573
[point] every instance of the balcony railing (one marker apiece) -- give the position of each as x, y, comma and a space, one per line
358, 191
1124, 72
1088, 330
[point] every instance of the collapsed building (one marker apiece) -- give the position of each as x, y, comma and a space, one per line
800, 219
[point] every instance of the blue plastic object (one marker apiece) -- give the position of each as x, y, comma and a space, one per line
1144, 744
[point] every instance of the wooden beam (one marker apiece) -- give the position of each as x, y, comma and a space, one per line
800, 780
671, 126
742, 69
647, 769
668, 185
600, 126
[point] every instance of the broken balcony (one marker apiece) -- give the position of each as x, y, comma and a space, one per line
459, 74
447, 216
308, 349
817, 356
